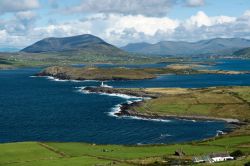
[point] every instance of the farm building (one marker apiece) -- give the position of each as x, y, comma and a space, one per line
217, 157
214, 157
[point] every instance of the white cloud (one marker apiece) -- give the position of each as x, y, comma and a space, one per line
65, 29
17, 5
198, 20
201, 19
195, 3
3, 34
127, 7
131, 7
20, 23
146, 25
121, 29
26, 15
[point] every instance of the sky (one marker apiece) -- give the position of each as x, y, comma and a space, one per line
119, 22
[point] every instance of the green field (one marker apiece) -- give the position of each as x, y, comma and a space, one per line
122, 73
219, 102
55, 154
93, 73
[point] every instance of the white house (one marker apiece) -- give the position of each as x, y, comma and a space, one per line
214, 157
217, 157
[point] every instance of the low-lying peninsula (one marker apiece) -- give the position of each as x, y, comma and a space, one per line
231, 104
122, 73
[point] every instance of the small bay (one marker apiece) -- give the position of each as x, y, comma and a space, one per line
40, 109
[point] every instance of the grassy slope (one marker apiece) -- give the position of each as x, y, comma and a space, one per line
96, 73
93, 73
221, 102
32, 153
245, 52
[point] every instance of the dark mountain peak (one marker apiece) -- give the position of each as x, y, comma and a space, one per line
83, 36
72, 43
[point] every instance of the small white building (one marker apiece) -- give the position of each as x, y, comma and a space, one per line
218, 157
212, 158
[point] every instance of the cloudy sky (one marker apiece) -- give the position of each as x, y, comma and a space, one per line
119, 22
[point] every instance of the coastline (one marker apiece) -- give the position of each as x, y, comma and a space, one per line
125, 108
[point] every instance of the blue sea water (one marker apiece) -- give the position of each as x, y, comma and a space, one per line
232, 64
39, 109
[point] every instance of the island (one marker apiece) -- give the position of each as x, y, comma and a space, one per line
122, 73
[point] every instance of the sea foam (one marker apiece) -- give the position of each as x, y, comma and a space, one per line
117, 108
63, 80
124, 96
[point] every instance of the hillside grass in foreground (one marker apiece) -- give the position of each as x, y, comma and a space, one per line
55, 154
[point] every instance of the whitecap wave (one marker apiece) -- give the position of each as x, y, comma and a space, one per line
121, 95
82, 89
90, 81
130, 102
63, 80
148, 119
165, 135
186, 119
117, 108
56, 79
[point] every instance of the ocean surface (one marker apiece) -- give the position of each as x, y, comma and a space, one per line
232, 64
43, 109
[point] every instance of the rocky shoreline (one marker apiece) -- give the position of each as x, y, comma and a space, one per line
126, 109
136, 93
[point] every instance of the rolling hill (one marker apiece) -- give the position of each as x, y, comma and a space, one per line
245, 52
216, 46
86, 43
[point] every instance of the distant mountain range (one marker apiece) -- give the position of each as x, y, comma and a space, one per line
217, 46
89, 45
84, 44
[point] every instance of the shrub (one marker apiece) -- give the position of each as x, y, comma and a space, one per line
237, 153
247, 164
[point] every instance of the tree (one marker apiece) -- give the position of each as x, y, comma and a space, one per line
237, 153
